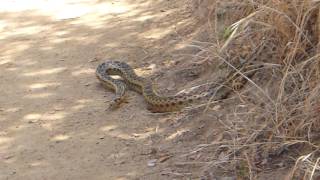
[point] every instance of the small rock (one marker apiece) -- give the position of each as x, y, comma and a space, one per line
264, 161
93, 60
280, 164
223, 157
164, 158
32, 121
58, 108
217, 107
152, 162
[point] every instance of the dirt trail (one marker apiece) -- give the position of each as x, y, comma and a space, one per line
53, 123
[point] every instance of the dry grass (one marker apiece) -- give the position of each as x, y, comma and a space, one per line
275, 123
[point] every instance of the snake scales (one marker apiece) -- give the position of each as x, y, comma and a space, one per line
144, 86
156, 102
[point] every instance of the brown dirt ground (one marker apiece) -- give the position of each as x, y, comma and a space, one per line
53, 118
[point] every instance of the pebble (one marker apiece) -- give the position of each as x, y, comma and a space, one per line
152, 162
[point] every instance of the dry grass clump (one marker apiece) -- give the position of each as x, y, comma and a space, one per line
276, 121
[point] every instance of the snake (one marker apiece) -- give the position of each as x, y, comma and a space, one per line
145, 86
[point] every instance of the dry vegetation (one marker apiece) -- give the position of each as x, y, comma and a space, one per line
274, 123
53, 118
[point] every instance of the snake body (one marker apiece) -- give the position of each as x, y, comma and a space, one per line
130, 80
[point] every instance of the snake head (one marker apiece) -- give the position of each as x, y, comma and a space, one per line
115, 103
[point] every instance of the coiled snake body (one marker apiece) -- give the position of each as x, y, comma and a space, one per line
130, 80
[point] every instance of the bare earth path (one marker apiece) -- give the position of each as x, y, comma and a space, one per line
53, 123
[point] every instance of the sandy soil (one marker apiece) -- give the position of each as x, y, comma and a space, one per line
53, 118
